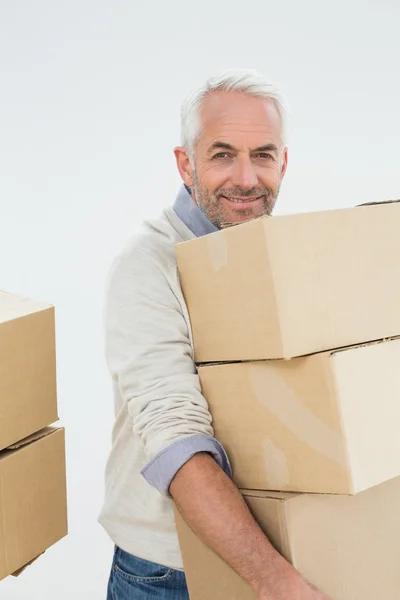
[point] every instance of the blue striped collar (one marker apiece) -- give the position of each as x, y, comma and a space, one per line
191, 215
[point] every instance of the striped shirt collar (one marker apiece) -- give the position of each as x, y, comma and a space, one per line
191, 215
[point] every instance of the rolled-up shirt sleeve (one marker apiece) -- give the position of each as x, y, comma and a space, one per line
161, 470
150, 357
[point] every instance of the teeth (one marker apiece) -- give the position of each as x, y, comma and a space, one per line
236, 200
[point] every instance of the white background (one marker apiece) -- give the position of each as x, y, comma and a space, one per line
90, 93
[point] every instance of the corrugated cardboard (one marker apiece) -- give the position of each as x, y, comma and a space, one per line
28, 393
326, 422
33, 512
286, 286
349, 546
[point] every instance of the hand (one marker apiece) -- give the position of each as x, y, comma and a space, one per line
295, 589
318, 594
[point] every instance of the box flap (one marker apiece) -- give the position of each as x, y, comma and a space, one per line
18, 572
32, 438
375, 203
269, 494
364, 345
331, 352
13, 307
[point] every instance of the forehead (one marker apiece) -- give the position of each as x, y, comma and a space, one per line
236, 115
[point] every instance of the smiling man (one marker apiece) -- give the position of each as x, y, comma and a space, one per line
240, 158
232, 161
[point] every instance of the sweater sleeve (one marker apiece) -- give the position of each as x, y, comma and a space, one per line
150, 356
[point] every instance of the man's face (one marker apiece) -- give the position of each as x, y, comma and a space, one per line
240, 159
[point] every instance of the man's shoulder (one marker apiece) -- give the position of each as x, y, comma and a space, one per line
152, 247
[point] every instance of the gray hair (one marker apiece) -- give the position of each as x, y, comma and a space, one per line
248, 82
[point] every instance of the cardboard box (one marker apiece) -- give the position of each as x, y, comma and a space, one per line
28, 391
326, 422
348, 546
32, 499
286, 286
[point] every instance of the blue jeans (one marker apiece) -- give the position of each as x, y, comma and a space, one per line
133, 578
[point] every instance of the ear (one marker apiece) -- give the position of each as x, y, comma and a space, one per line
284, 162
183, 164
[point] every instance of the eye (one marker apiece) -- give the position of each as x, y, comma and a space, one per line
265, 156
221, 155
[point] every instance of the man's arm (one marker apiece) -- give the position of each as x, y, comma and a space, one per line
150, 357
214, 508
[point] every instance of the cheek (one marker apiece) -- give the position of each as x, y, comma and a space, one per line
270, 176
212, 176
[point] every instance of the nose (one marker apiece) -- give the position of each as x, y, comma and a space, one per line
243, 174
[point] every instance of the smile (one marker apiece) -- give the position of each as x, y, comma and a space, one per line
242, 200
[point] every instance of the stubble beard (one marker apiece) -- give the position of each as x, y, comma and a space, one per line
211, 205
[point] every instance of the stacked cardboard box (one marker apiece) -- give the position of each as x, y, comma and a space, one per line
32, 454
295, 323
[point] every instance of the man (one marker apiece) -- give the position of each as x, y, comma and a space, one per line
232, 161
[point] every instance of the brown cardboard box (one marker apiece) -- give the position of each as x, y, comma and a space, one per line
349, 546
326, 422
32, 499
28, 394
286, 286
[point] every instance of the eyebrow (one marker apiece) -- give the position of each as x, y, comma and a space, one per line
224, 146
